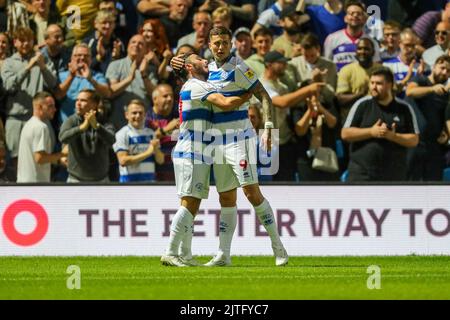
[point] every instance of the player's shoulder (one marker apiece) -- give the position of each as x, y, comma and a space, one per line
237, 61
212, 66
189, 85
197, 88
202, 85
242, 66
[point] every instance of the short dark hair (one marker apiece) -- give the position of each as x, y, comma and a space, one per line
187, 57
365, 38
443, 58
384, 72
93, 95
309, 41
220, 31
358, 3
263, 31
186, 45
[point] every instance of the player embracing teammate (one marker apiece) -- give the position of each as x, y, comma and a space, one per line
234, 157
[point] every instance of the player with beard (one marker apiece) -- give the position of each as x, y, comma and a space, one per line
431, 97
192, 169
238, 167
379, 129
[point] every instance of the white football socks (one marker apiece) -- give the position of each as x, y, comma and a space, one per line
228, 220
186, 244
181, 224
265, 215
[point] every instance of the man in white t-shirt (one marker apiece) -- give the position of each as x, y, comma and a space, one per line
36, 142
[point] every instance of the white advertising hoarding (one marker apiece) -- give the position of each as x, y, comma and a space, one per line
312, 220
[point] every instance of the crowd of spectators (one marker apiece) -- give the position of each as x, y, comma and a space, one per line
87, 92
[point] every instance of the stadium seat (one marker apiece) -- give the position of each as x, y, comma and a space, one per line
339, 149
344, 176
447, 174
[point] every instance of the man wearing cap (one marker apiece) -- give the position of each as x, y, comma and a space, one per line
283, 99
243, 43
426, 24
291, 33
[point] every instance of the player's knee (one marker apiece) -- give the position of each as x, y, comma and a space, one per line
192, 204
253, 194
227, 199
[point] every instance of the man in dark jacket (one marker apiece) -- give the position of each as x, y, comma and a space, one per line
89, 140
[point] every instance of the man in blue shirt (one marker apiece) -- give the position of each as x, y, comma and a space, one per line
79, 77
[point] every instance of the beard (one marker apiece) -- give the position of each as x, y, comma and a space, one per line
364, 61
440, 79
202, 72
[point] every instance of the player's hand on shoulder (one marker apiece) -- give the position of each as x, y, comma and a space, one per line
177, 62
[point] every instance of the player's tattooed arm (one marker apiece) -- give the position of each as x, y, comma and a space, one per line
260, 92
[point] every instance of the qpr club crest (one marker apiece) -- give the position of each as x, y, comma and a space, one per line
243, 164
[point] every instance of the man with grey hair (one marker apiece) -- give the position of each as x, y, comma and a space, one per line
104, 44
57, 56
202, 23
79, 77
407, 64
175, 23
132, 77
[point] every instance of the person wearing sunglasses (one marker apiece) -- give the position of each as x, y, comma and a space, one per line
442, 36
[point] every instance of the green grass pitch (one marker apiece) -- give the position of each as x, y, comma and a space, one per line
409, 277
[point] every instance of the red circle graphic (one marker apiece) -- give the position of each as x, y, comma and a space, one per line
37, 211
